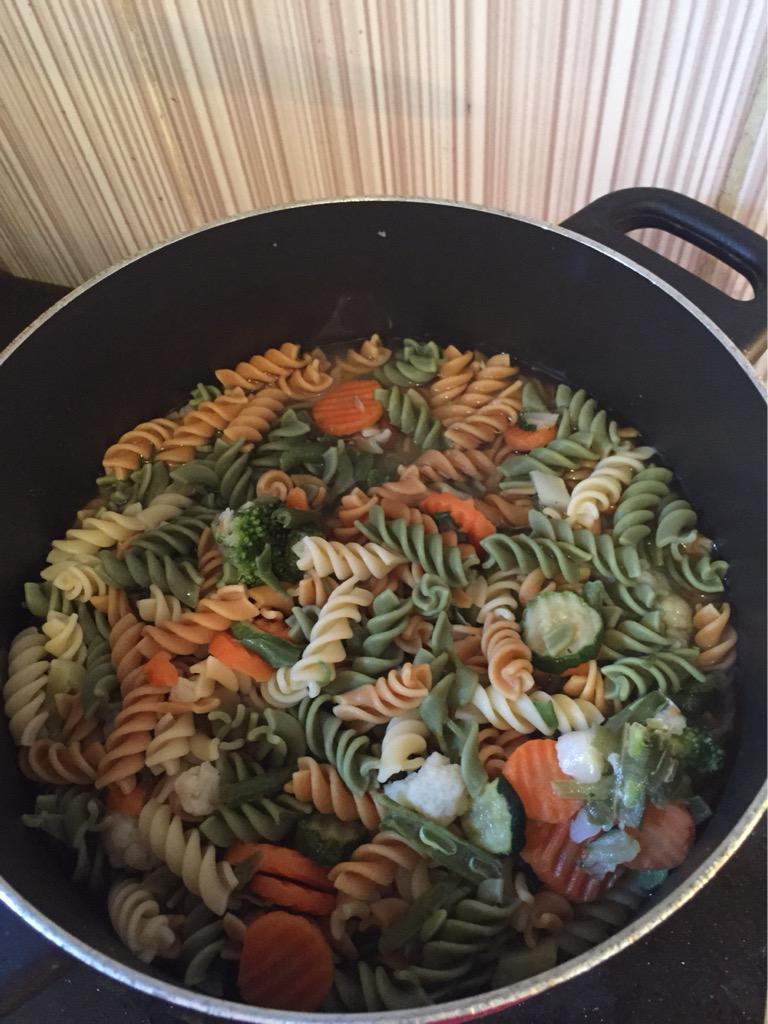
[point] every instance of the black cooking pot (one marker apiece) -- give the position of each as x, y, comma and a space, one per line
654, 349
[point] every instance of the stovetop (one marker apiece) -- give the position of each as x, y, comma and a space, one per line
706, 965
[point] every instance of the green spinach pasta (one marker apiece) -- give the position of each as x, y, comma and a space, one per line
374, 677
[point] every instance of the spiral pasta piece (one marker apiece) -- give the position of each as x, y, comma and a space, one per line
126, 746
264, 369
404, 743
136, 445
136, 917
77, 580
185, 854
535, 583
25, 688
408, 490
604, 486
256, 416
535, 711
360, 362
457, 369
510, 671
213, 614
543, 912
714, 636
481, 426
307, 381
591, 686
456, 466
497, 596
495, 747
199, 425
159, 607
127, 658
594, 922
322, 786
345, 561
409, 412
505, 509
353, 506
61, 764
65, 637
401, 690
373, 866
492, 377
170, 744
317, 665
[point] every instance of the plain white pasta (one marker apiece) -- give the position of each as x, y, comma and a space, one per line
333, 558
171, 743
78, 579
404, 742
498, 596
136, 917
205, 676
107, 528
317, 666
185, 854
25, 689
65, 637
159, 607
604, 485
571, 714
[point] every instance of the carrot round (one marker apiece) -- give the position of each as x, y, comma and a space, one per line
463, 512
554, 857
233, 654
285, 963
526, 440
665, 836
348, 408
291, 894
531, 769
283, 862
159, 670
129, 804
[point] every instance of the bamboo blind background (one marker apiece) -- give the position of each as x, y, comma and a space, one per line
124, 122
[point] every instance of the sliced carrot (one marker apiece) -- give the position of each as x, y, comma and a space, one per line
291, 894
530, 770
287, 863
232, 653
555, 858
577, 670
463, 512
526, 440
160, 671
285, 963
297, 498
348, 408
129, 804
281, 861
665, 836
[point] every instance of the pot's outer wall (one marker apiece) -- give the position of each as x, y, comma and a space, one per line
131, 347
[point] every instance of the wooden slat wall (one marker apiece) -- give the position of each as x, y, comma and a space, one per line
124, 122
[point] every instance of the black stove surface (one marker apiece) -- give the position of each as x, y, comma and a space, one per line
707, 965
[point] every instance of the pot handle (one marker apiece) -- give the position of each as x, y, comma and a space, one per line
608, 218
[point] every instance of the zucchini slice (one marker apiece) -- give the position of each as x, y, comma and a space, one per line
326, 840
561, 630
495, 822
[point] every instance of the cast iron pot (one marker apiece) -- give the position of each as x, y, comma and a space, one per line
647, 339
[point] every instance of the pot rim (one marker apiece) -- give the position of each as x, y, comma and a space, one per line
471, 1006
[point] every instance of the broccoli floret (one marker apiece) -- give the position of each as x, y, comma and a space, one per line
256, 540
698, 753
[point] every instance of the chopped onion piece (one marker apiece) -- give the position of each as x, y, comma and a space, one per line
582, 828
550, 490
541, 419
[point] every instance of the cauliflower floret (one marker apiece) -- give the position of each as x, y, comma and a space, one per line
578, 756
125, 846
677, 617
436, 790
198, 789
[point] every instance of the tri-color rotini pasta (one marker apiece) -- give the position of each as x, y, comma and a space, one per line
394, 665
